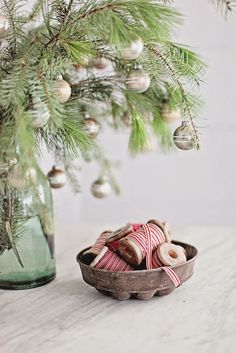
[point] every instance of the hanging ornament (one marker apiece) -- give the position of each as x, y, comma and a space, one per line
39, 113
4, 25
101, 63
183, 138
91, 126
62, 90
168, 115
56, 178
138, 81
101, 188
132, 51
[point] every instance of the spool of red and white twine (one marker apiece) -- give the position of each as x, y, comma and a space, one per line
156, 263
109, 260
141, 244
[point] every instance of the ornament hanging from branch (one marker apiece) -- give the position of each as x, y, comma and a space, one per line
62, 90
169, 115
56, 178
101, 63
138, 80
132, 51
183, 138
101, 188
91, 126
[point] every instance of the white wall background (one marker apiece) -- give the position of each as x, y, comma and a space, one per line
181, 187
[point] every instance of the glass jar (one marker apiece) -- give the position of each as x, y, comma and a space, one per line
26, 232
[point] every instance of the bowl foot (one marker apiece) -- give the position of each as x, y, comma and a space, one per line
121, 295
145, 295
167, 291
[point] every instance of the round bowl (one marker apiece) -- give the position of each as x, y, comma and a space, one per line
140, 284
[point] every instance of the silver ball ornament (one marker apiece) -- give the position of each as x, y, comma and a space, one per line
132, 51
138, 81
183, 138
56, 178
101, 188
92, 127
4, 25
62, 90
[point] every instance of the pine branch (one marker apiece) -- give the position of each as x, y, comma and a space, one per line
165, 61
225, 6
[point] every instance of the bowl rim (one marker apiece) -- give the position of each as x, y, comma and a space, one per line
139, 271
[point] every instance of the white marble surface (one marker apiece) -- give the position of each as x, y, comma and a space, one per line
67, 315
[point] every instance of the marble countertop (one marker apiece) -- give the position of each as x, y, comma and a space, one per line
67, 315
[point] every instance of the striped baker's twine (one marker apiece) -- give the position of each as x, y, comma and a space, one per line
99, 243
112, 262
156, 263
136, 227
147, 239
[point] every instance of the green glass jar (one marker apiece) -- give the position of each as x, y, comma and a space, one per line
26, 230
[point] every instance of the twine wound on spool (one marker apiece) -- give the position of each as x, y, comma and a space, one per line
141, 244
156, 263
92, 252
108, 260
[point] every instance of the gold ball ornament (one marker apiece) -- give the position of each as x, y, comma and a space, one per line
92, 127
138, 81
56, 178
132, 51
4, 25
168, 115
183, 138
101, 188
39, 113
62, 90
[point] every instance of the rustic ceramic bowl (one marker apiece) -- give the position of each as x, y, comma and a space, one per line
141, 284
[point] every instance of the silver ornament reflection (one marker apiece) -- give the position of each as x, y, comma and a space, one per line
138, 81
132, 51
101, 188
183, 138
